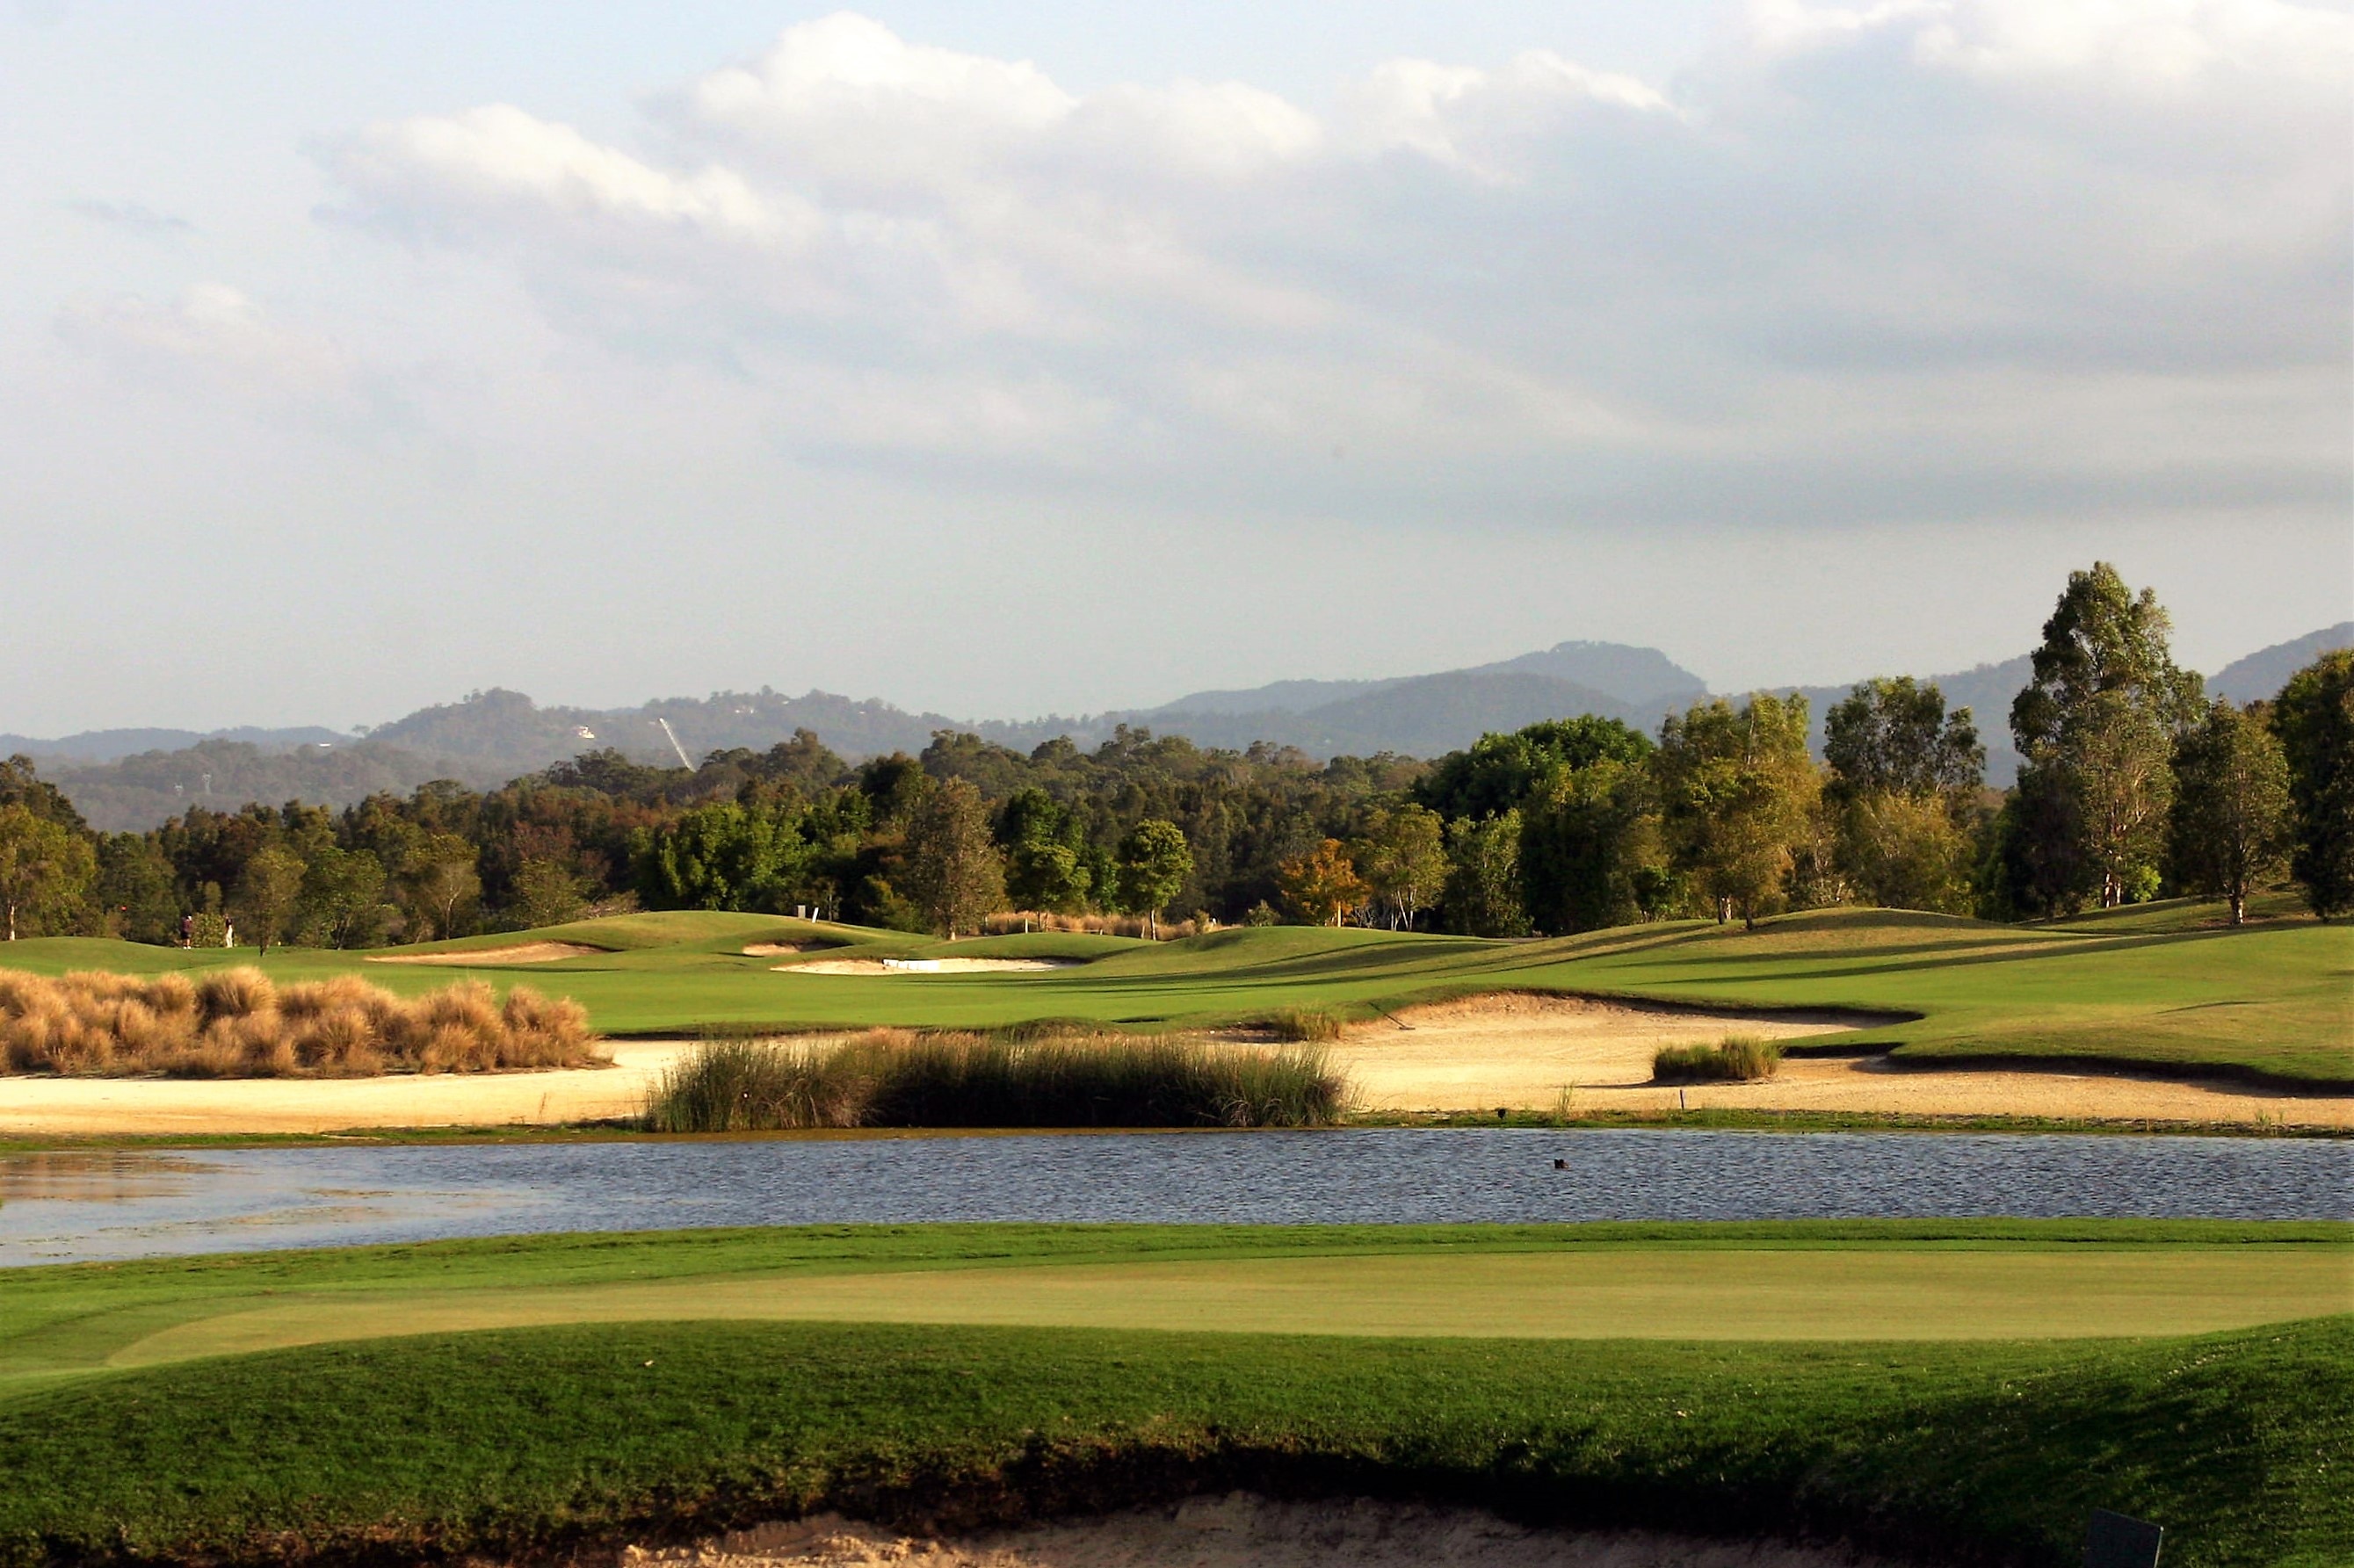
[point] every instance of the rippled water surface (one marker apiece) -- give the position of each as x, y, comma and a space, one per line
57, 1207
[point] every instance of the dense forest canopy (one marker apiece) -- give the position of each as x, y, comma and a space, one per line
2133, 784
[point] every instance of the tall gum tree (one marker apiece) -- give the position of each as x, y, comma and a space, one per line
2231, 817
2314, 718
2096, 726
1736, 787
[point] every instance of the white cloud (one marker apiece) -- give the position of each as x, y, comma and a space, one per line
1536, 279
213, 328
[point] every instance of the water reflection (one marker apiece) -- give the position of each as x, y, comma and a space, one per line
65, 1207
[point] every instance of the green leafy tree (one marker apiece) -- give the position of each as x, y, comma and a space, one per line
2314, 716
1736, 790
723, 855
1895, 736
1905, 851
1904, 773
1155, 862
1586, 841
952, 872
2096, 729
133, 889
545, 891
269, 894
2231, 817
1482, 897
46, 868
344, 898
1403, 857
440, 883
1047, 864
1322, 885
1500, 773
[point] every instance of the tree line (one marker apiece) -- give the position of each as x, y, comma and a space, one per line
2134, 786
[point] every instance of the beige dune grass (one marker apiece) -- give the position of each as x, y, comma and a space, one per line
472, 958
1875, 1293
1237, 1530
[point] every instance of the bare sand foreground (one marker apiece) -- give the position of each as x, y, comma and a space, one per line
1240, 1530
1520, 1052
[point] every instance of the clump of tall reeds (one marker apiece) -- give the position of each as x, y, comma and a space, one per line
237, 1023
1736, 1058
894, 1079
1305, 1025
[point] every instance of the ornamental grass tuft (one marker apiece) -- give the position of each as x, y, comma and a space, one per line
238, 1023
889, 1077
1735, 1059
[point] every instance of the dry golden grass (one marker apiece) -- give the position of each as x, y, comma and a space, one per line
234, 1023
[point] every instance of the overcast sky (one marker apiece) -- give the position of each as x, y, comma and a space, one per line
1003, 359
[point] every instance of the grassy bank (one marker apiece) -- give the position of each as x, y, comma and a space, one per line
500, 1441
2164, 991
896, 1079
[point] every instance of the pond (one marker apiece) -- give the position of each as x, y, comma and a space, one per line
81, 1206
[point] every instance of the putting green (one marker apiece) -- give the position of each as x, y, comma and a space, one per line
1879, 1293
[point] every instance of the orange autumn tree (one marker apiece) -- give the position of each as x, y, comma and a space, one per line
1324, 886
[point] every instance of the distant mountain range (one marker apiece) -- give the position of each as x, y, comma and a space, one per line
136, 778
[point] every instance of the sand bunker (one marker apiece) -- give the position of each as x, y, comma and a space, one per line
521, 953
1523, 1051
1519, 1050
173, 1107
1239, 1530
773, 949
926, 966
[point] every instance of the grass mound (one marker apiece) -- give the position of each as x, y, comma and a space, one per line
238, 1022
538, 1440
894, 1079
1735, 1059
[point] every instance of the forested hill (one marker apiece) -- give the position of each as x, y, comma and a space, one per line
136, 779
2266, 671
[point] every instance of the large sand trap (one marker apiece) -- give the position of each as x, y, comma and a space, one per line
1523, 1050
926, 966
1239, 1530
521, 953
1519, 1050
99, 1106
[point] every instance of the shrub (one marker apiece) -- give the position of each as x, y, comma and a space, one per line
893, 1078
1736, 1058
236, 1023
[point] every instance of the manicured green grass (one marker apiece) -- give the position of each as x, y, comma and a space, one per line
2161, 989
172, 1410
500, 1441
71, 1321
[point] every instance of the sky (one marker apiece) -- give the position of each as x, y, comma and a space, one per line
1002, 360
